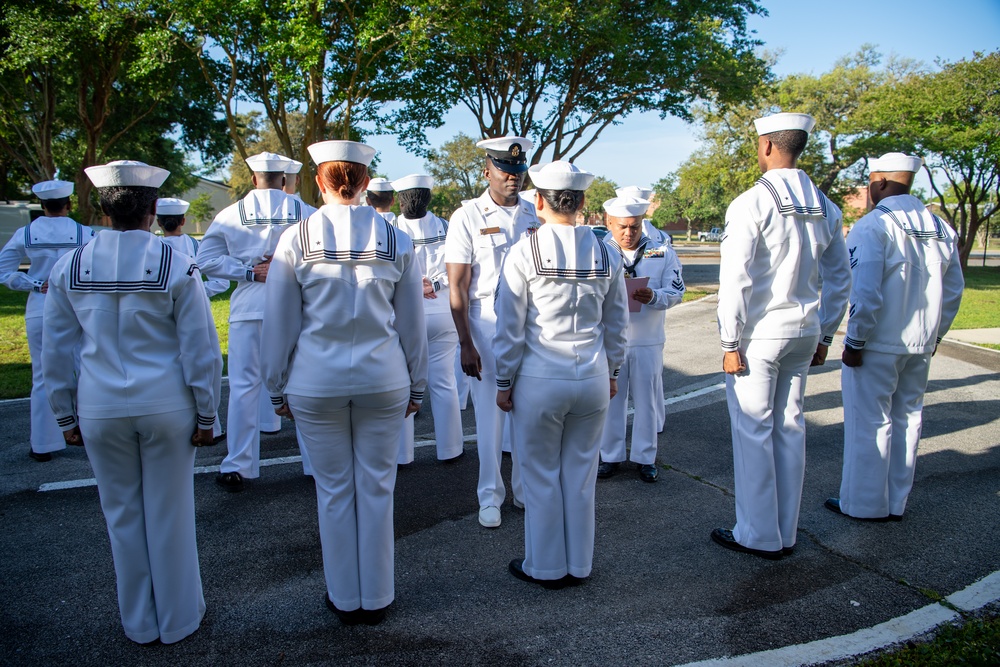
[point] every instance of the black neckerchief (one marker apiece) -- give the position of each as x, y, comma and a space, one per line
640, 250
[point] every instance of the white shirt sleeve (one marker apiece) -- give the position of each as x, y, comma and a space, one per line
739, 244
282, 322
952, 286
200, 356
458, 246
62, 332
615, 321
408, 305
671, 291
214, 260
835, 271
10, 259
867, 261
512, 311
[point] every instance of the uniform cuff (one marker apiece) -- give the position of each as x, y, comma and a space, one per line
416, 396
66, 423
730, 345
854, 343
205, 422
938, 342
249, 275
827, 340
503, 384
614, 373
277, 400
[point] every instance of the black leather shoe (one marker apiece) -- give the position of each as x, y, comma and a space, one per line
346, 617
42, 457
516, 568
219, 438
833, 504
454, 459
606, 469
270, 432
895, 517
787, 551
724, 537
648, 473
373, 616
230, 481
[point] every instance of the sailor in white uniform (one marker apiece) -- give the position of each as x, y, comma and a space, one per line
148, 389
345, 353
380, 197
906, 292
238, 246
42, 242
480, 234
560, 339
642, 373
427, 231
782, 239
293, 180
657, 236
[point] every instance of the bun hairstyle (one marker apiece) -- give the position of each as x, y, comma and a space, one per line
343, 178
169, 223
562, 201
413, 202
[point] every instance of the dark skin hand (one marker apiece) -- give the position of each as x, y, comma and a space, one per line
643, 295
733, 362
819, 358
851, 358
202, 437
73, 437
260, 271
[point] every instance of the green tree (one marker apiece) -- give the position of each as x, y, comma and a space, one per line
600, 191
201, 210
561, 71
458, 167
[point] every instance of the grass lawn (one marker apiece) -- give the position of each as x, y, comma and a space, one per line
976, 642
981, 300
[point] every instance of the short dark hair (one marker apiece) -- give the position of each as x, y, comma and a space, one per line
790, 142
55, 205
169, 222
413, 202
271, 179
562, 201
376, 199
127, 206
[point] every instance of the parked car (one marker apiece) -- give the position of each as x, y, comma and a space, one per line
14, 214
599, 230
713, 235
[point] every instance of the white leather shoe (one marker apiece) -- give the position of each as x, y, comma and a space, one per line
489, 516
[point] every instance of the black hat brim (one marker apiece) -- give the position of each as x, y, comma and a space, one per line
507, 167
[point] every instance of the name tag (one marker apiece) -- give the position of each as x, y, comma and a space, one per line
489, 230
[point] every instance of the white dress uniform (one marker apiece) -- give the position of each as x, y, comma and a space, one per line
186, 245
657, 236
480, 234
782, 236
642, 373
150, 371
560, 335
242, 236
906, 292
344, 344
42, 242
428, 236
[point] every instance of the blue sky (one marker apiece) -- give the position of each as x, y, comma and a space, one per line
811, 36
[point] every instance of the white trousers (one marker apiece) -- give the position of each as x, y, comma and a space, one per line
246, 396
641, 376
883, 406
353, 442
557, 427
144, 468
461, 380
769, 439
489, 418
442, 341
45, 433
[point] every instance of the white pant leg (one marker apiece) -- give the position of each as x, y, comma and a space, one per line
406, 439
489, 418
45, 433
645, 384
557, 424
144, 468
353, 444
616, 422
267, 421
907, 421
307, 468
245, 390
661, 409
776, 371
867, 392
442, 341
461, 380
516, 487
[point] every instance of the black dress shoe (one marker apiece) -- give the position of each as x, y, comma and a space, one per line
346, 617
833, 504
787, 551
648, 473
724, 537
41, 457
219, 438
454, 459
516, 568
230, 481
373, 616
895, 517
270, 432
606, 469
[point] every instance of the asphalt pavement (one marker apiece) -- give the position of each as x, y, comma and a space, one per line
661, 592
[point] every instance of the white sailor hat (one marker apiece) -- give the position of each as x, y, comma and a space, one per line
380, 184
294, 166
895, 162
126, 173
528, 195
338, 150
171, 206
634, 191
784, 121
560, 175
508, 154
268, 162
626, 207
413, 181
52, 189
